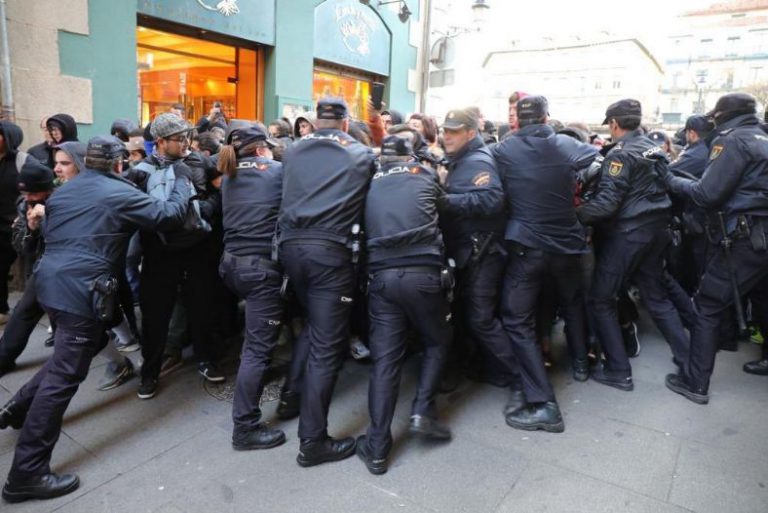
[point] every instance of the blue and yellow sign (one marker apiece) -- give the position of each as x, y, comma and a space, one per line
352, 34
253, 20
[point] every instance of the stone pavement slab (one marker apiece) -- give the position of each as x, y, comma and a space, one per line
645, 451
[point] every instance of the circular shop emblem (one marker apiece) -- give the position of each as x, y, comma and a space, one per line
355, 30
225, 7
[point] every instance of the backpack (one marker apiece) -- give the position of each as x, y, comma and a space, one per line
160, 183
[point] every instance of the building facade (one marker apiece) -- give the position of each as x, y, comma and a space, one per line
102, 60
580, 79
717, 50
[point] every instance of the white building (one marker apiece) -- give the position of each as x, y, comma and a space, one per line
719, 49
579, 78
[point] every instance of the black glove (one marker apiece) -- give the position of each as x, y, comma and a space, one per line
182, 172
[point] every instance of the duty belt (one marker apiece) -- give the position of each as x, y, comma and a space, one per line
260, 262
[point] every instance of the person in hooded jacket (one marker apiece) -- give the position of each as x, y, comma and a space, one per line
61, 128
36, 185
251, 194
390, 118
11, 161
88, 223
304, 124
40, 151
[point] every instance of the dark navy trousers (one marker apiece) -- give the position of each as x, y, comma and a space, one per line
478, 289
636, 255
400, 298
47, 395
257, 280
322, 277
25, 316
527, 271
715, 297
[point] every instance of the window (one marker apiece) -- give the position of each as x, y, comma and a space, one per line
196, 73
732, 46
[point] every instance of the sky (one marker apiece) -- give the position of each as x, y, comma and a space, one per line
650, 20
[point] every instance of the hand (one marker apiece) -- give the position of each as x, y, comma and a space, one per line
182, 172
35, 216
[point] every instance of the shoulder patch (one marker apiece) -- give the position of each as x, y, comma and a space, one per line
717, 149
615, 168
482, 179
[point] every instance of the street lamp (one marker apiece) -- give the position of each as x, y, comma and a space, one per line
701, 82
480, 12
404, 13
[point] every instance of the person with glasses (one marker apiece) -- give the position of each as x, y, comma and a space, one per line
168, 269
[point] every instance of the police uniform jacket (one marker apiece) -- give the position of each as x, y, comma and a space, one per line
538, 169
691, 163
631, 191
692, 160
474, 202
735, 180
401, 219
251, 202
325, 179
88, 222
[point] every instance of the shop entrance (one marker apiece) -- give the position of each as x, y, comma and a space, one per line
195, 72
353, 86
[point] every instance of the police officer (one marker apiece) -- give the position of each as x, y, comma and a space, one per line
405, 257
631, 211
545, 240
691, 163
251, 190
88, 223
734, 183
473, 224
325, 178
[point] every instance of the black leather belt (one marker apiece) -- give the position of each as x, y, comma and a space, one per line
260, 262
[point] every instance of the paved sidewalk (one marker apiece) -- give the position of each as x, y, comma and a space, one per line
646, 451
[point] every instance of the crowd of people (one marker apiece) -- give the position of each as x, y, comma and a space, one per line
384, 237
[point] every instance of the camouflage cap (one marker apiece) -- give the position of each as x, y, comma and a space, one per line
168, 124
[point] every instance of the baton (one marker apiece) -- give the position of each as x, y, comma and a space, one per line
726, 245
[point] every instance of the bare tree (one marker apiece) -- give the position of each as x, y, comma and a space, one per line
760, 91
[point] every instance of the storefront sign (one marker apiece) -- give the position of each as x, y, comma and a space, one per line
253, 20
352, 34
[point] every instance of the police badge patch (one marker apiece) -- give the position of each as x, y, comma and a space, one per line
615, 168
482, 179
717, 149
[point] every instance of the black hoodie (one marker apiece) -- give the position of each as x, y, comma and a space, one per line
9, 174
43, 151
